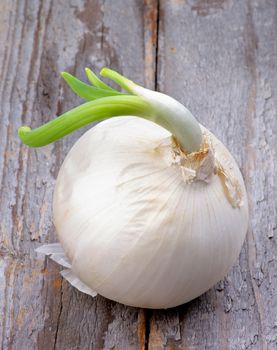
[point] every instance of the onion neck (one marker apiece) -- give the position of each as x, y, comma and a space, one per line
105, 102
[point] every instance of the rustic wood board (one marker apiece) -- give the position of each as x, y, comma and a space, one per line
219, 57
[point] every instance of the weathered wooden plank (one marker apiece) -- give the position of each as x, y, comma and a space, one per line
38, 40
226, 53
219, 58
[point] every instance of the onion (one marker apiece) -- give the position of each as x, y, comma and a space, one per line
150, 207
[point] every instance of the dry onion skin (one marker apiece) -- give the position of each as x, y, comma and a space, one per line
150, 207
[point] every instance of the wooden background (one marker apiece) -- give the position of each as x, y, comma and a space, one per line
218, 57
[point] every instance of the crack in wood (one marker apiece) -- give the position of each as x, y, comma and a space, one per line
151, 57
157, 44
59, 317
148, 314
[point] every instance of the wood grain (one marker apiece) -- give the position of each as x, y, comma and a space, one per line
217, 57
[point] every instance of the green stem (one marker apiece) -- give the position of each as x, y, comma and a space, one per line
93, 78
87, 92
80, 116
106, 102
169, 113
125, 83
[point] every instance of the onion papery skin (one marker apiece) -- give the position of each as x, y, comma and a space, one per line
133, 229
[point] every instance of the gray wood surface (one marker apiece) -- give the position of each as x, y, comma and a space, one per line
218, 57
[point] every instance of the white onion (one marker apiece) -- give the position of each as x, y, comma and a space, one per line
135, 231
149, 215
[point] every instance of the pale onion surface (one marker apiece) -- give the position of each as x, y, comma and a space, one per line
134, 231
